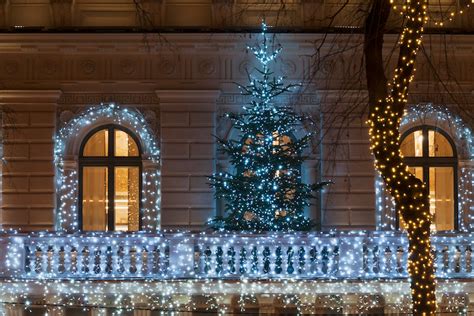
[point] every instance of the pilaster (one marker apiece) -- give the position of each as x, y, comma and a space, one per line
188, 156
29, 124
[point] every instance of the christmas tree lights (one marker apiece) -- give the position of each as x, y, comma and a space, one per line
265, 192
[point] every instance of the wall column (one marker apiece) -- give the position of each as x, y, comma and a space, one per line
188, 156
29, 124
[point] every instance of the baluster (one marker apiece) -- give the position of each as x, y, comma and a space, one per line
120, 268
44, 259
166, 258
457, 259
445, 268
301, 260
75, 260
335, 260
313, 255
278, 260
325, 264
207, 260
109, 260
243, 260
400, 261
85, 258
375, 260
144, 261
219, 260
266, 260
468, 255
126, 259
61, 259
254, 256
97, 254
28, 260
231, 260
388, 260
198, 260
365, 259
289, 260
133, 260
150, 259
56, 262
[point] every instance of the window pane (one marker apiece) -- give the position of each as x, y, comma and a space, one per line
127, 198
418, 172
442, 197
412, 145
94, 198
97, 145
125, 146
439, 146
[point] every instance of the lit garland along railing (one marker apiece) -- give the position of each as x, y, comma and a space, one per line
411, 194
324, 256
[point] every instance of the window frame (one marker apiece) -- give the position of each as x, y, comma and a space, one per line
110, 161
426, 162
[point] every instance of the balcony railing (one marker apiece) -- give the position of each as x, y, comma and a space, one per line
97, 256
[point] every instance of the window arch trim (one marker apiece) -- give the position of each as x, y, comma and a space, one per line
67, 142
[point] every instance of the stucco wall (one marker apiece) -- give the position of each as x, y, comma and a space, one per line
188, 81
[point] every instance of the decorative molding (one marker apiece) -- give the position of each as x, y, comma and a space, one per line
30, 96
119, 98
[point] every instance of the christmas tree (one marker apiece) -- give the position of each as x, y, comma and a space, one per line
265, 192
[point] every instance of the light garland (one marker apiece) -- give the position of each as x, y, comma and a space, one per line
67, 176
451, 15
411, 194
360, 267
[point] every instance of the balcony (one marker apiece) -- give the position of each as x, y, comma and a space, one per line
171, 256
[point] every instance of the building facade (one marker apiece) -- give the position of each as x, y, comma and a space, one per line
108, 140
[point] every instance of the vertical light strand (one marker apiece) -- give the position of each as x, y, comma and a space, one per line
411, 194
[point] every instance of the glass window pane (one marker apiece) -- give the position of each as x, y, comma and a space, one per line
412, 145
97, 145
418, 172
126, 198
442, 197
94, 198
125, 146
439, 146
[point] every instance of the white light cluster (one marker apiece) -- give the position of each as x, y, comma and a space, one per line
442, 117
67, 176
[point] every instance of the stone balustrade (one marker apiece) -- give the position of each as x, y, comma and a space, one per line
167, 256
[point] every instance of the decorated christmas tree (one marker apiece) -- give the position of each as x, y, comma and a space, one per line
265, 191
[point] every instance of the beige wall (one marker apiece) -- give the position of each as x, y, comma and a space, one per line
189, 82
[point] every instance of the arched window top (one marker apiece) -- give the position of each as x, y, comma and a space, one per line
428, 142
127, 126
111, 140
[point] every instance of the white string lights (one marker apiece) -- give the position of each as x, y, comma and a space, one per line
66, 170
440, 116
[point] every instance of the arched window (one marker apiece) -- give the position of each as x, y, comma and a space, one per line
431, 156
110, 180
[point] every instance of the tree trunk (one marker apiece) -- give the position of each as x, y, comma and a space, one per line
386, 109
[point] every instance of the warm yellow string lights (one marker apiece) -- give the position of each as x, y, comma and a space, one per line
411, 194
449, 15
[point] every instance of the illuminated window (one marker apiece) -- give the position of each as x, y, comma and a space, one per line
110, 180
430, 155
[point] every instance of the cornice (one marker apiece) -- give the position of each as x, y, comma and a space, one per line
30, 96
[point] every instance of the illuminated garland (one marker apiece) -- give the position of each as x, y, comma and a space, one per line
411, 194
451, 15
67, 176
